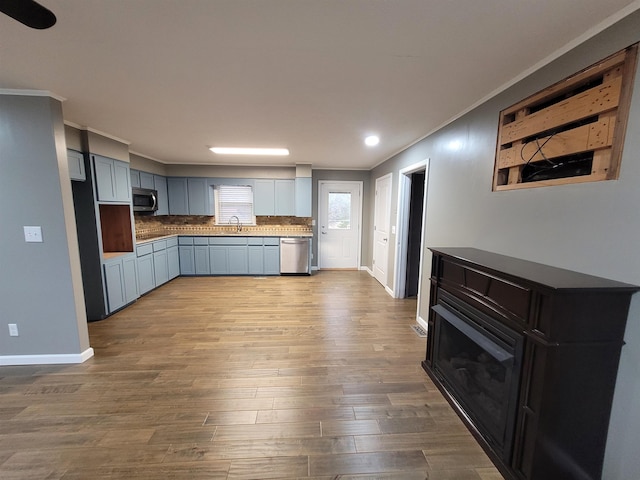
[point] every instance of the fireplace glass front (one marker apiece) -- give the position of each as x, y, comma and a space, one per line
479, 362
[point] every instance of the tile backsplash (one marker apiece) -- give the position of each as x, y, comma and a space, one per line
148, 226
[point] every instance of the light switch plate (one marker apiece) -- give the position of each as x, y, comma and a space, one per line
32, 234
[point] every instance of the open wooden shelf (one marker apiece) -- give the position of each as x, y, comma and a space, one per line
571, 132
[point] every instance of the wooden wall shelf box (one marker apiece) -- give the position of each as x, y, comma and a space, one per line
571, 132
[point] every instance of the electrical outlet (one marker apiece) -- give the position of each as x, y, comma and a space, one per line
13, 330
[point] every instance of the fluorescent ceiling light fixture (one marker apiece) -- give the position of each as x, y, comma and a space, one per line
372, 140
250, 151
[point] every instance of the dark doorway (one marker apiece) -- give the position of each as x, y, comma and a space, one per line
416, 202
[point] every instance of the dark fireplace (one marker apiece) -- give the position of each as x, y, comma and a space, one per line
479, 362
527, 355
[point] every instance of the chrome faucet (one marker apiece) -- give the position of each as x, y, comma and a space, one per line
238, 224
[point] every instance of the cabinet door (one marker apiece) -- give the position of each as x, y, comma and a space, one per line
75, 161
201, 256
160, 185
113, 180
198, 196
114, 281
122, 180
105, 179
174, 262
135, 178
146, 280
146, 180
178, 199
187, 260
285, 197
303, 196
160, 267
238, 264
271, 260
130, 274
219, 260
256, 259
264, 197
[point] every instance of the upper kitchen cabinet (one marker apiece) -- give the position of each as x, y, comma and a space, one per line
76, 165
135, 178
146, 180
264, 195
189, 196
160, 185
285, 197
199, 198
113, 180
178, 197
303, 196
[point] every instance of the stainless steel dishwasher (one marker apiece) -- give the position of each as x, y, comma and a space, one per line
295, 256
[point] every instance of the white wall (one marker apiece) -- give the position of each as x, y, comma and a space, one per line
591, 227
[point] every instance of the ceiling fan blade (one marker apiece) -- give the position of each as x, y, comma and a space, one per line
29, 13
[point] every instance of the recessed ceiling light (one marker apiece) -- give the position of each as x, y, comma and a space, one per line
249, 151
372, 140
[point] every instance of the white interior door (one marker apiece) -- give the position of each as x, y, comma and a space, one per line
381, 227
339, 220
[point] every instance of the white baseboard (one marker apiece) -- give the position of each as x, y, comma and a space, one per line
46, 359
423, 323
389, 291
366, 269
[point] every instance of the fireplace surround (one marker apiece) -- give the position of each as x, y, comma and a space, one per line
527, 355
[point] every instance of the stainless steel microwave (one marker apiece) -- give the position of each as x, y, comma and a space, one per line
144, 199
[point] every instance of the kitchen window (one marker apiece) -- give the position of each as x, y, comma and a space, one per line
234, 201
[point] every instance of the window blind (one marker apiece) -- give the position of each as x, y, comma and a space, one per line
234, 200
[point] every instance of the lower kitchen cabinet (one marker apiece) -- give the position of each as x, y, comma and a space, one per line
160, 267
173, 260
158, 262
187, 260
272, 259
121, 280
255, 256
146, 279
201, 255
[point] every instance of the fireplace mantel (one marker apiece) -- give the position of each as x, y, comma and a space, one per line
572, 326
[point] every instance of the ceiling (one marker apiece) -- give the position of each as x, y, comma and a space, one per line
174, 77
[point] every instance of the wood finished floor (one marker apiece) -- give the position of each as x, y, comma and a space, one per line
241, 378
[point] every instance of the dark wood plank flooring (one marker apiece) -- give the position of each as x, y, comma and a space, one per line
241, 378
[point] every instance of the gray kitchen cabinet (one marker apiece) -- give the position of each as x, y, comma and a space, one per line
238, 264
228, 255
173, 261
120, 275
201, 255
113, 180
160, 185
178, 197
75, 161
264, 200
303, 187
219, 260
135, 178
272, 259
285, 197
146, 180
198, 194
160, 267
255, 257
186, 256
146, 280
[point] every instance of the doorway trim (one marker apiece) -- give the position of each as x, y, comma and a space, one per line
360, 206
402, 237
